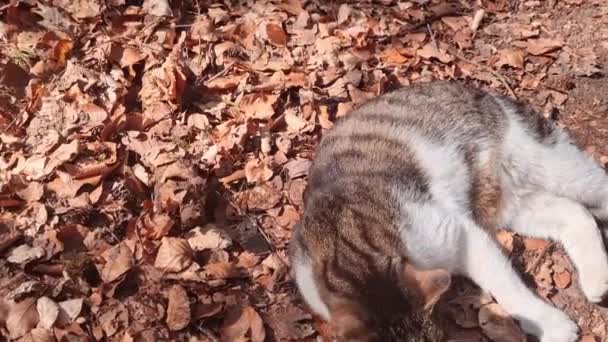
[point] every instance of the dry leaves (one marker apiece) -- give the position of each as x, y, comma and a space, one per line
243, 323
178, 310
162, 150
174, 255
22, 318
119, 260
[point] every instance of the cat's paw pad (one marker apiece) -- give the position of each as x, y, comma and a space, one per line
595, 286
558, 327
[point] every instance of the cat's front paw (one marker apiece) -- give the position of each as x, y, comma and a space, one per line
548, 323
557, 327
595, 285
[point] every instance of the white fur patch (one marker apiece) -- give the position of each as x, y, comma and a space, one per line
308, 288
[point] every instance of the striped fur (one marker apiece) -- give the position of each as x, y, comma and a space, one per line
420, 176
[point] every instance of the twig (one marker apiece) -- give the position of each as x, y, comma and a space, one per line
428, 27
253, 221
500, 77
539, 258
477, 18
208, 333
446, 12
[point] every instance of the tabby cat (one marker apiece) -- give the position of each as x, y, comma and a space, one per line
406, 191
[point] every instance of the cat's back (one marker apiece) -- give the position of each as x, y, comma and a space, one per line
379, 140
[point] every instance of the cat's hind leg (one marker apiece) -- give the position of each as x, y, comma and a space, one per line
435, 238
554, 164
545, 215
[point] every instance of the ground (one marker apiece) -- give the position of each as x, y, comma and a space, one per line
154, 153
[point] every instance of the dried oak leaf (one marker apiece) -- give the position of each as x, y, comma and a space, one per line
178, 309
156, 226
257, 171
22, 318
543, 46
242, 323
296, 123
32, 192
258, 105
159, 8
208, 237
163, 85
222, 270
48, 311
31, 287
69, 310
262, 197
511, 57
429, 51
126, 56
24, 254
114, 317
533, 244
392, 56
174, 255
119, 260
498, 325
562, 279
38, 335
82, 9
274, 33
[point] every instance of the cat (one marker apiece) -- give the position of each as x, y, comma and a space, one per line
406, 191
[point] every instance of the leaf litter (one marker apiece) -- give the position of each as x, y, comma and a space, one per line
154, 155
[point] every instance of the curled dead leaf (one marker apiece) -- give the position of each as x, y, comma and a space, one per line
562, 279
178, 309
174, 255
259, 105
22, 318
70, 310
119, 260
257, 171
242, 321
429, 51
275, 34
48, 311
511, 57
24, 254
222, 270
543, 46
208, 237
498, 325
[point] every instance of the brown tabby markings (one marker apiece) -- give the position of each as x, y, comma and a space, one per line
350, 229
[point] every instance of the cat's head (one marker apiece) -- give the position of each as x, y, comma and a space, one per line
367, 300
408, 318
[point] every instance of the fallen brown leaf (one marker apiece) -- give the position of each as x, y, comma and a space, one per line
178, 309
498, 325
38, 335
511, 57
542, 46
119, 260
22, 318
240, 322
48, 311
275, 34
562, 279
208, 237
257, 171
174, 255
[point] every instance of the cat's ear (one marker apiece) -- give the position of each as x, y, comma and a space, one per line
430, 284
